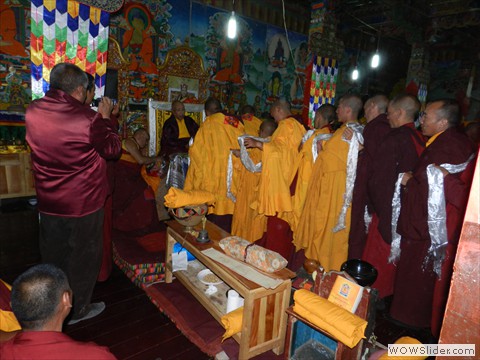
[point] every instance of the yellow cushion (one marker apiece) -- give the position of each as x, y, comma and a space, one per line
176, 198
232, 322
342, 324
404, 340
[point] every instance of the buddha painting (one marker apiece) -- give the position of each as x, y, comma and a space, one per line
278, 54
8, 43
229, 62
137, 42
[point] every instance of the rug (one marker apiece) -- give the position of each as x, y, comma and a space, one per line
141, 258
196, 323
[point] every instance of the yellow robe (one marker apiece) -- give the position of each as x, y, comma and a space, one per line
247, 222
304, 173
278, 170
8, 321
251, 124
323, 204
209, 160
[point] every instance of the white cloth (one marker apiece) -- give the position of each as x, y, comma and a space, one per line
352, 158
437, 215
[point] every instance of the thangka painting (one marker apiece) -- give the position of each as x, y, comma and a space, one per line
322, 86
15, 91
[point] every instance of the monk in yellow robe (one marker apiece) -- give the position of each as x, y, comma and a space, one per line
317, 230
250, 122
209, 155
324, 117
9, 325
278, 170
247, 222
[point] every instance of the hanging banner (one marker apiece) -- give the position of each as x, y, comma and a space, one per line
66, 31
323, 84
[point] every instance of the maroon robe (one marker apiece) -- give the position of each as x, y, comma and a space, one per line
170, 143
373, 134
398, 153
51, 345
416, 281
133, 201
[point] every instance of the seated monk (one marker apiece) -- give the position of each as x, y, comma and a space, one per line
41, 300
133, 199
177, 131
9, 325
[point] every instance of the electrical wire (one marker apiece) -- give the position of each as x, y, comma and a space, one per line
288, 40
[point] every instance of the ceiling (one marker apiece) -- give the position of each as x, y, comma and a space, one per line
434, 23
439, 25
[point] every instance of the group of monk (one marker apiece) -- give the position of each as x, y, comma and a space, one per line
390, 192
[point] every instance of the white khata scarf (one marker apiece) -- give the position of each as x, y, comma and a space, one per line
246, 161
396, 205
437, 216
319, 137
352, 158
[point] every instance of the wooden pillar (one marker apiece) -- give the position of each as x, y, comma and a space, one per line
461, 324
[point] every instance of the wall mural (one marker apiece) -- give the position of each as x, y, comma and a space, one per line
15, 92
255, 68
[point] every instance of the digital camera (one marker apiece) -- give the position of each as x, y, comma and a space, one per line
96, 102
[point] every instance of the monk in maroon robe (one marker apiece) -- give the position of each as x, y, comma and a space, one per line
377, 127
173, 139
417, 284
398, 153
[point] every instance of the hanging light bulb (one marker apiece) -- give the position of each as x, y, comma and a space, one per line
376, 57
355, 74
375, 60
232, 26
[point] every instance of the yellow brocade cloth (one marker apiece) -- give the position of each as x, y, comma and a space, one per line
152, 181
304, 173
8, 321
232, 322
278, 170
251, 124
247, 223
182, 129
432, 139
209, 160
176, 198
323, 205
346, 327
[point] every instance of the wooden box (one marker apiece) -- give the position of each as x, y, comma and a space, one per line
16, 177
302, 334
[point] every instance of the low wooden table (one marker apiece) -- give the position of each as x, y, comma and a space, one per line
264, 316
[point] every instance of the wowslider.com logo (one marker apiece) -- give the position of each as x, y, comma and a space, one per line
463, 350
